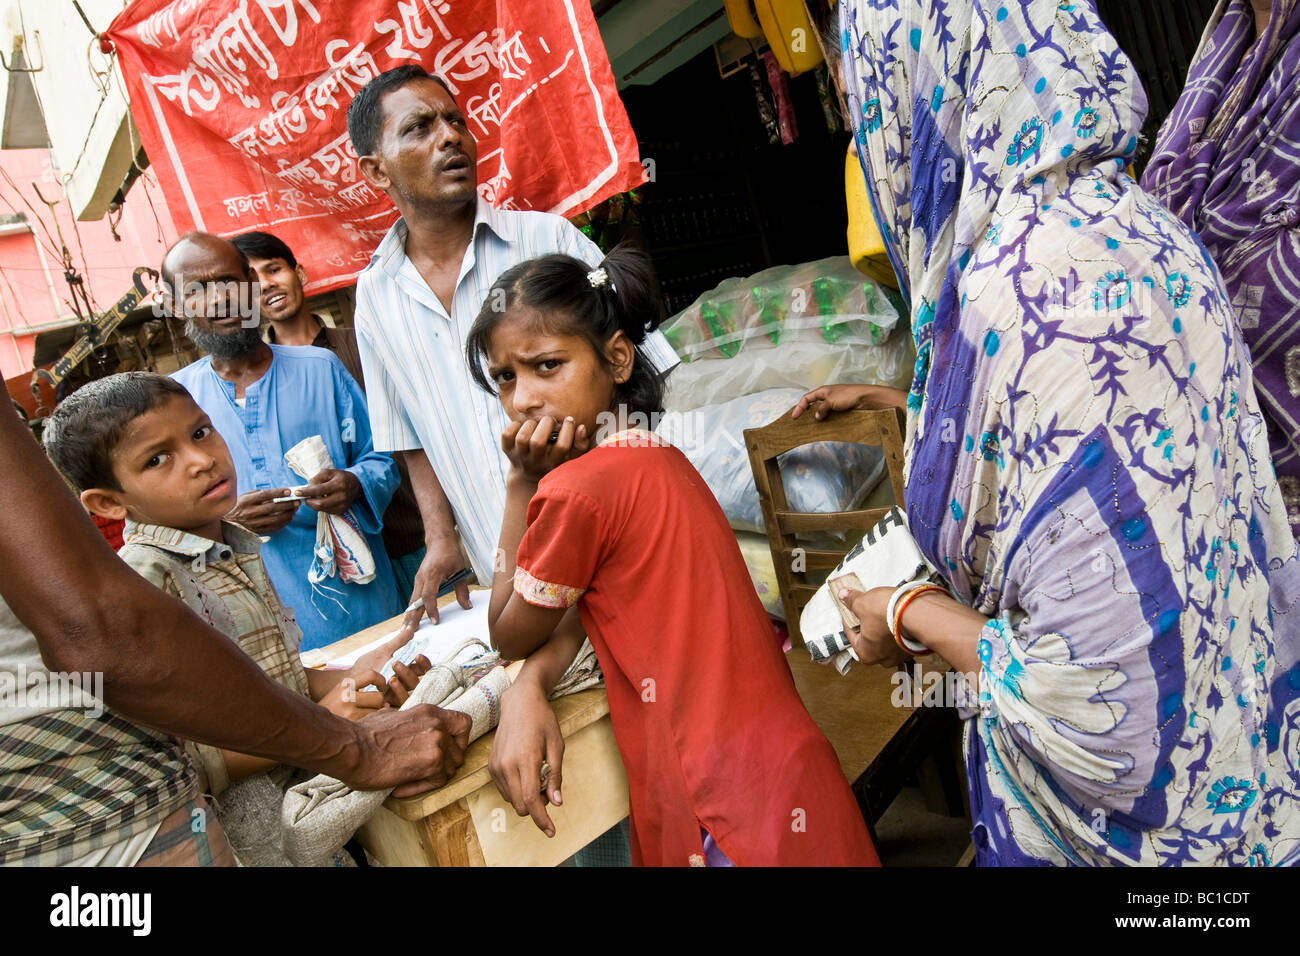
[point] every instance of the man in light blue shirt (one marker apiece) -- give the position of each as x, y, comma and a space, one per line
264, 399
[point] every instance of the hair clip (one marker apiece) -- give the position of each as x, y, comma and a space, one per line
599, 278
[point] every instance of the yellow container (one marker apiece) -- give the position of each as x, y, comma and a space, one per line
740, 14
789, 33
866, 248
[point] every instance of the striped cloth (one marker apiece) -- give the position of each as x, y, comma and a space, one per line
417, 379
192, 836
226, 585
71, 784
74, 778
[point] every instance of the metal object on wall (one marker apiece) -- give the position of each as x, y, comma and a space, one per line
95, 332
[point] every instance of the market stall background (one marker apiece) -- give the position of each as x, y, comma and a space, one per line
724, 200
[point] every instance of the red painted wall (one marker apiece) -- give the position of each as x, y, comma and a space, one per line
104, 263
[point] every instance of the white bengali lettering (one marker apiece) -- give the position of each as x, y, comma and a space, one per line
186, 88
492, 190
239, 205
373, 236
349, 74
485, 109
287, 27
301, 174
337, 158
284, 122
226, 52
292, 200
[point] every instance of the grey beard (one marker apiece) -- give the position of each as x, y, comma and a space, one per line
228, 345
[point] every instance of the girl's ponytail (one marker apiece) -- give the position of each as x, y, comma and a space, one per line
637, 309
636, 300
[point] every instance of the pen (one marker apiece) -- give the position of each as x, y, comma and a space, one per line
448, 585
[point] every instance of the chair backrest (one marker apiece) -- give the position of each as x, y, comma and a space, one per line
883, 428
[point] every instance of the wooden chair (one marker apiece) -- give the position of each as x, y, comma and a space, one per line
883, 428
880, 746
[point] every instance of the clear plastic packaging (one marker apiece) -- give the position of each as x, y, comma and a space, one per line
820, 477
801, 326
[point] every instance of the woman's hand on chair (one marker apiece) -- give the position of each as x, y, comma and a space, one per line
871, 640
843, 398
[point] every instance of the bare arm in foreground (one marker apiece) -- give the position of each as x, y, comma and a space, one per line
163, 667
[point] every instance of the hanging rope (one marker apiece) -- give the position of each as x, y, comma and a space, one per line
75, 281
49, 245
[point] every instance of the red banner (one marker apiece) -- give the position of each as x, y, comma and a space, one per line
242, 108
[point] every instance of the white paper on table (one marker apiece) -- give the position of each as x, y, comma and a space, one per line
434, 641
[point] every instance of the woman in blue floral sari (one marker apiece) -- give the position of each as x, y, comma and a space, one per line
1086, 462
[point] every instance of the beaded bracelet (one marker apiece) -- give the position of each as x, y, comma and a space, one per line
895, 625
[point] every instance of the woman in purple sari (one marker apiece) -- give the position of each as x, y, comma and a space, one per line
1085, 465
1227, 162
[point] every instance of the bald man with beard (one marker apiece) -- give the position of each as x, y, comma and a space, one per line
264, 399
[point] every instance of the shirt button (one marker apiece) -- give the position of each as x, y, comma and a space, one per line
249, 429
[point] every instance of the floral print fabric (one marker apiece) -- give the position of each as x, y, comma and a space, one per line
1225, 162
544, 593
1086, 459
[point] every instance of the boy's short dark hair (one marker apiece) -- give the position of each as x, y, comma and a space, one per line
263, 245
366, 118
84, 430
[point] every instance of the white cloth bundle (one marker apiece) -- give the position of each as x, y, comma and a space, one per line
321, 814
887, 556
341, 546
582, 674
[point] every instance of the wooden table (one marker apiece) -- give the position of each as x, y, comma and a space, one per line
467, 823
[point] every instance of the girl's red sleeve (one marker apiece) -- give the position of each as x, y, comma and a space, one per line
560, 551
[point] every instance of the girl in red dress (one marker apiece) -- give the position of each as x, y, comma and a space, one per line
723, 762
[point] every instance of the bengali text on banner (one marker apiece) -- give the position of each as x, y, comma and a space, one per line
242, 109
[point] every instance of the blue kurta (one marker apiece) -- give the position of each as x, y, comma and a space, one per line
306, 391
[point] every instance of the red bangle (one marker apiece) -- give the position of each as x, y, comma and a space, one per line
895, 626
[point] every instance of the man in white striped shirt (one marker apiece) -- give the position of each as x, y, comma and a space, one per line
417, 299
415, 303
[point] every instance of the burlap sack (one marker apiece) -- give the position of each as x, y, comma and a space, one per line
321, 814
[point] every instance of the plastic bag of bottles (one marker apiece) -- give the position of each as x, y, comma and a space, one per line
800, 326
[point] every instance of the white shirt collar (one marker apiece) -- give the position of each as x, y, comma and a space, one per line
392, 248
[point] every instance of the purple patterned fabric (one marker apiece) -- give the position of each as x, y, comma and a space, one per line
1227, 162
1086, 461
